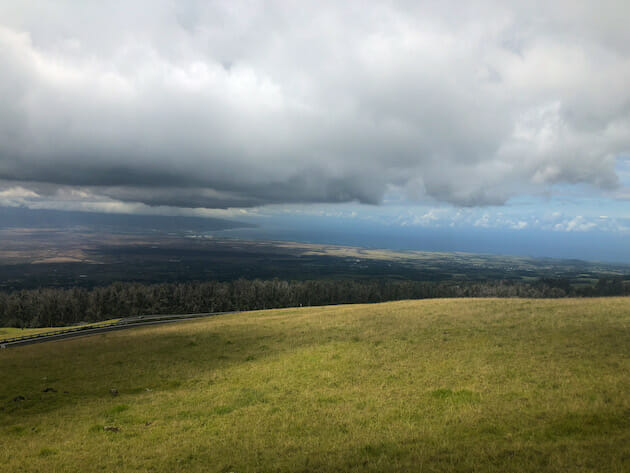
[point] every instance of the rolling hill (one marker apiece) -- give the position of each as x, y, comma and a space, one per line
484, 385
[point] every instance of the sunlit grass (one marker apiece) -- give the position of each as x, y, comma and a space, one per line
436, 385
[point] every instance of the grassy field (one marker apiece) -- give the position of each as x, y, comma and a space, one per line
438, 385
10, 332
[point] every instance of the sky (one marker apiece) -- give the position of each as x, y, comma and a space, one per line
418, 116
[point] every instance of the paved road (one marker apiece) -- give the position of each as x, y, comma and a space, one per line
129, 322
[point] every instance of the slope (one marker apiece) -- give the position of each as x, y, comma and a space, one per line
434, 385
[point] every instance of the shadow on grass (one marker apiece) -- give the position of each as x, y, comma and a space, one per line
140, 361
119, 365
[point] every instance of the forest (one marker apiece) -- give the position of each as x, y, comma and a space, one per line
49, 307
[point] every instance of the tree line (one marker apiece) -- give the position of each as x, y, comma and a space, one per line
50, 307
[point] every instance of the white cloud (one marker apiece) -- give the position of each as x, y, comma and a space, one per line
17, 192
224, 104
520, 225
576, 224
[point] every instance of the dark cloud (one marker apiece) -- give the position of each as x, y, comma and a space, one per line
228, 104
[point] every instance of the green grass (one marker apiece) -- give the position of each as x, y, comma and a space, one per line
11, 332
439, 385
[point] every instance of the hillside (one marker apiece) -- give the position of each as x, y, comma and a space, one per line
482, 385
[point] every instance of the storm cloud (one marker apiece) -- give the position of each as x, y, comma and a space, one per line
241, 104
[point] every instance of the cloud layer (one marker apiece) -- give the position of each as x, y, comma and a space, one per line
240, 104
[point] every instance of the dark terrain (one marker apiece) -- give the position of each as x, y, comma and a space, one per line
33, 258
62, 272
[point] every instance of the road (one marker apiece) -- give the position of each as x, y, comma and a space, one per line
129, 322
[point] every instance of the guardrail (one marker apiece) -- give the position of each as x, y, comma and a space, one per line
129, 321
60, 332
